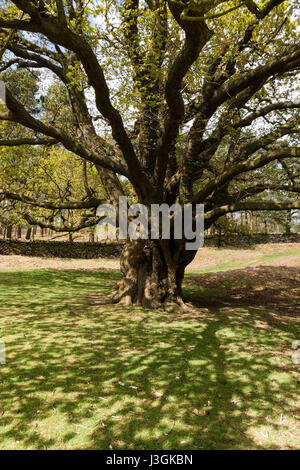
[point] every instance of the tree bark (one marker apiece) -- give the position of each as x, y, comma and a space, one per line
288, 225
9, 232
28, 233
153, 274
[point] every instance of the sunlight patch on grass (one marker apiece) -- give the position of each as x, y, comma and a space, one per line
84, 376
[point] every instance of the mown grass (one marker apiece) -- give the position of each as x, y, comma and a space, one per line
84, 376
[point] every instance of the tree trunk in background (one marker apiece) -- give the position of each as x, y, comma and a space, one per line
28, 233
153, 274
288, 225
251, 218
19, 231
9, 232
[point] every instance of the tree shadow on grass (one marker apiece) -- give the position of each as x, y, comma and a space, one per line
81, 376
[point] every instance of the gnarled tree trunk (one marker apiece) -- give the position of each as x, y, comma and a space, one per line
153, 273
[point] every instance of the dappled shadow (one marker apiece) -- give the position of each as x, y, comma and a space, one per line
82, 375
274, 291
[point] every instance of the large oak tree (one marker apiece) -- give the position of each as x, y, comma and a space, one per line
179, 101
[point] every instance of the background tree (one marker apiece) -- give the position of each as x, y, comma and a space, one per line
184, 101
29, 173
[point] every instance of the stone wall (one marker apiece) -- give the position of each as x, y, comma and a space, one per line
59, 249
62, 249
254, 239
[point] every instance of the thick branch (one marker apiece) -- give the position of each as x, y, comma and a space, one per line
26, 141
260, 188
247, 120
231, 88
196, 36
85, 222
242, 167
19, 114
262, 13
59, 33
90, 203
250, 206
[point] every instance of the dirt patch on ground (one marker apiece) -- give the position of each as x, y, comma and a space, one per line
293, 260
25, 262
207, 258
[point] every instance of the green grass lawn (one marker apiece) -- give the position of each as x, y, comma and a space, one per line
84, 376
